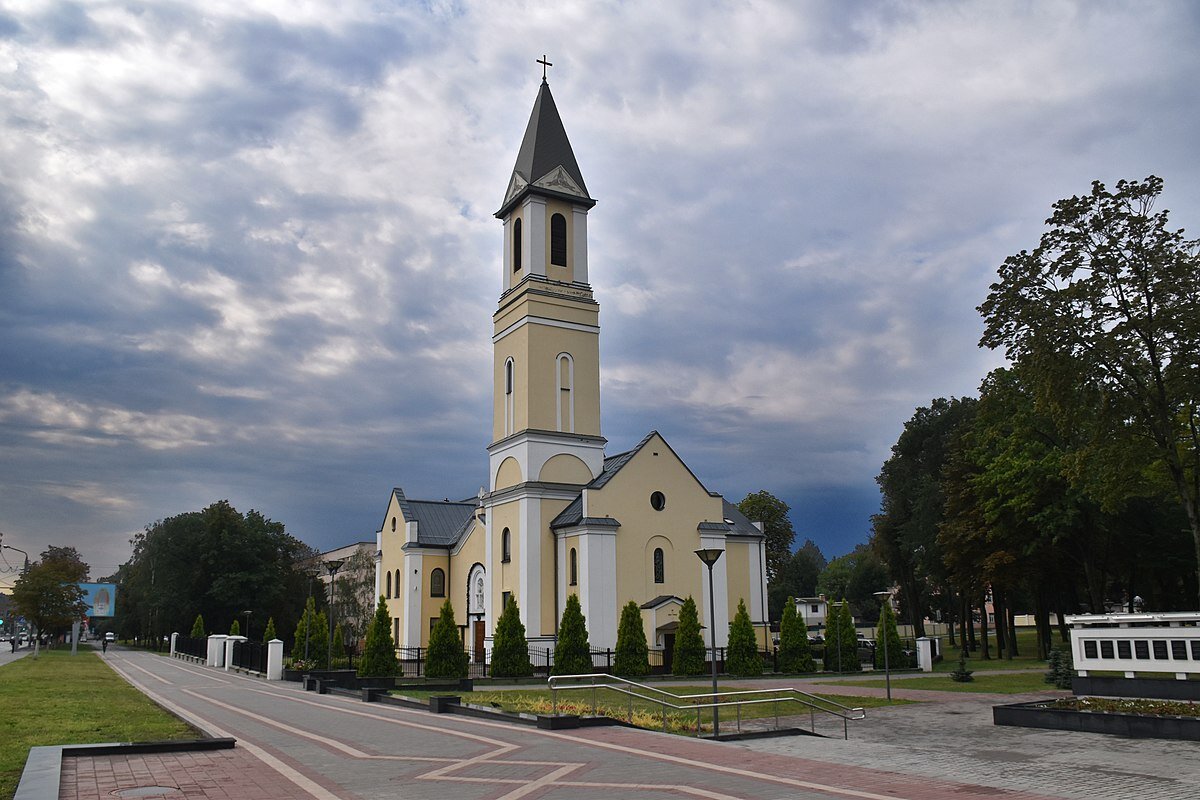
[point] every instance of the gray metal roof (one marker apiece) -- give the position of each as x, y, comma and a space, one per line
660, 600
439, 523
544, 148
742, 526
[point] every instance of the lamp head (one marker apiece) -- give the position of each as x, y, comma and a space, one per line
709, 555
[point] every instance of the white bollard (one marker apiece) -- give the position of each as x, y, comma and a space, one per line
174, 636
275, 660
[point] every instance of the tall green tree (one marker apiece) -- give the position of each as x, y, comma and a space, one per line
795, 655
633, 654
446, 658
338, 647
841, 640
510, 652
1110, 299
764, 507
198, 627
48, 594
742, 658
856, 576
886, 631
797, 577
319, 647
572, 652
379, 651
269, 631
235, 629
688, 658
912, 505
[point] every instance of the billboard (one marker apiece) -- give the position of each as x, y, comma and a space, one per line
100, 598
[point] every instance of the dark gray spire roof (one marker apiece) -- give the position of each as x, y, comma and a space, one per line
545, 164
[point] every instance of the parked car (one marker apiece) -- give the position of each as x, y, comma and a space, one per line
110, 637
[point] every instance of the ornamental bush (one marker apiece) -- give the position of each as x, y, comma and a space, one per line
446, 658
235, 629
742, 658
198, 628
689, 644
269, 633
318, 641
339, 647
962, 674
841, 640
886, 631
379, 651
794, 653
572, 652
1062, 667
633, 655
510, 653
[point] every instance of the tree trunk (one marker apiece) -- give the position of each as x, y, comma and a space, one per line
1041, 621
969, 626
984, 651
951, 615
1064, 633
998, 608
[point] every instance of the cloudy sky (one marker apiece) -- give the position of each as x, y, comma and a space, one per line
247, 248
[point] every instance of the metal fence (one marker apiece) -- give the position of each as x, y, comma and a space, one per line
191, 647
250, 655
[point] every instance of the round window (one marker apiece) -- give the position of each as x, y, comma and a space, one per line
658, 501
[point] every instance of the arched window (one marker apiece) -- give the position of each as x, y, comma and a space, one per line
437, 583
506, 546
574, 567
508, 397
558, 240
516, 242
397, 583
389, 585
659, 570
393, 524
566, 395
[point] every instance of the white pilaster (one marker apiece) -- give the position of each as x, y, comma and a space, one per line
507, 253
720, 576
411, 633
529, 580
598, 586
533, 243
579, 256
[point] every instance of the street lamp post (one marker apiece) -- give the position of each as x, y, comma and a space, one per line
246, 633
333, 567
884, 597
710, 556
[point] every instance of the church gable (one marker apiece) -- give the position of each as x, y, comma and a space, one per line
652, 483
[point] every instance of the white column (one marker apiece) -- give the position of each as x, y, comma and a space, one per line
411, 632
229, 642
174, 636
275, 660
533, 241
598, 586
579, 254
507, 269
925, 654
529, 576
216, 650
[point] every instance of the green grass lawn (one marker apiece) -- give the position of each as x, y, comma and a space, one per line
1026, 646
1007, 683
646, 713
63, 699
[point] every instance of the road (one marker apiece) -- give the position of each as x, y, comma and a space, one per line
323, 746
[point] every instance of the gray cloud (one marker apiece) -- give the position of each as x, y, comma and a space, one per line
246, 249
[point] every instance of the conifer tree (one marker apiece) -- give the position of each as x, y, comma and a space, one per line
689, 644
198, 627
572, 652
742, 657
447, 658
305, 631
379, 651
235, 629
794, 653
269, 633
962, 674
841, 641
510, 653
633, 655
339, 646
887, 629
318, 641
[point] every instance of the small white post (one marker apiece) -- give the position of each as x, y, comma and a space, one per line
925, 654
216, 650
229, 643
174, 636
275, 660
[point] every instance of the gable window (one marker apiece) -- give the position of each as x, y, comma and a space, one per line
393, 524
516, 242
506, 546
437, 583
659, 567
558, 240
658, 501
574, 567
389, 585
508, 396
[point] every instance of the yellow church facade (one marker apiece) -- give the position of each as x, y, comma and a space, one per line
558, 515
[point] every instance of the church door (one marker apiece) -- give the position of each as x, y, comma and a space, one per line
479, 655
668, 652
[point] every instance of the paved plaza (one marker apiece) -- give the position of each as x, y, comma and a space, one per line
293, 744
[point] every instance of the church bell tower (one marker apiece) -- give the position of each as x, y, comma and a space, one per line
546, 371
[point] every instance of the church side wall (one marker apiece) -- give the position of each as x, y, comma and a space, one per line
470, 552
737, 568
550, 609
505, 576
431, 606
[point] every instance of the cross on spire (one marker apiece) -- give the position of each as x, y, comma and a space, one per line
544, 64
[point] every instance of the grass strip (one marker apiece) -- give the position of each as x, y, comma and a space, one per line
646, 713
982, 683
58, 698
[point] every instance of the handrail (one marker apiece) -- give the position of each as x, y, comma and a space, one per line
614, 683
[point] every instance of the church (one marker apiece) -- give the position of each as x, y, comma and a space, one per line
559, 515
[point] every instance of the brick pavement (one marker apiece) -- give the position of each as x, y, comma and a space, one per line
306, 745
